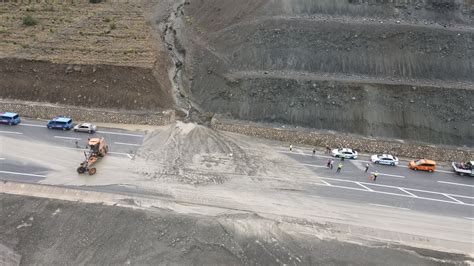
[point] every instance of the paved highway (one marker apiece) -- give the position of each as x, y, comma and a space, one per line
441, 192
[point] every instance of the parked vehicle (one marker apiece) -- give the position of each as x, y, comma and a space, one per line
464, 168
9, 118
344, 152
423, 165
386, 159
85, 127
60, 122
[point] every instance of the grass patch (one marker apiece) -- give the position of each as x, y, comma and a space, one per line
29, 21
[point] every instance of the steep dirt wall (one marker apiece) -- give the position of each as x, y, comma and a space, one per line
102, 86
420, 113
399, 69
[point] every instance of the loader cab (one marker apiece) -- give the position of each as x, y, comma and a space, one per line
60, 122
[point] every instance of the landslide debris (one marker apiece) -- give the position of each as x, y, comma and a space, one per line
195, 154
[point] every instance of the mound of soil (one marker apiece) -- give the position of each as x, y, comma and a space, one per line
190, 153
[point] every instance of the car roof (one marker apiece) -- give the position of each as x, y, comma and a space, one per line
427, 161
388, 156
8, 114
86, 124
62, 119
346, 149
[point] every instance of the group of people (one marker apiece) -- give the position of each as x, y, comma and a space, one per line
330, 164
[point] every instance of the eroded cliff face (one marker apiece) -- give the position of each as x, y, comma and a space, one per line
399, 69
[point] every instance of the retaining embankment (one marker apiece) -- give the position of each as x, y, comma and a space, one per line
359, 143
47, 111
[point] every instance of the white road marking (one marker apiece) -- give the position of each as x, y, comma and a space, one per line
404, 166
456, 184
446, 195
410, 189
388, 206
327, 184
1, 159
469, 218
395, 194
316, 155
31, 125
70, 138
121, 153
127, 144
16, 173
358, 183
447, 172
11, 132
409, 193
313, 165
399, 176
121, 134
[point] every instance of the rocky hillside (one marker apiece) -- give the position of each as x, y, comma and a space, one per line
399, 69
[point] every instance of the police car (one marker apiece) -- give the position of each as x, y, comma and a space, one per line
345, 152
9, 118
386, 159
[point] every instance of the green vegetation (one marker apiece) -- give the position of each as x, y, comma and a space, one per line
28, 20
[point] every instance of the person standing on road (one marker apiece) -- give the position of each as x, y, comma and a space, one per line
314, 151
339, 167
77, 144
367, 167
291, 147
375, 176
331, 164
328, 149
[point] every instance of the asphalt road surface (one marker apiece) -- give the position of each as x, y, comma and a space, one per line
442, 192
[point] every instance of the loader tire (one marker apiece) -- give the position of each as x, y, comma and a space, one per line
81, 170
92, 171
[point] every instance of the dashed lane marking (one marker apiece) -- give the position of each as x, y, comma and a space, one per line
70, 138
121, 134
313, 165
388, 206
31, 125
469, 218
11, 132
25, 174
399, 176
127, 144
446, 195
456, 184
409, 193
100, 131
369, 189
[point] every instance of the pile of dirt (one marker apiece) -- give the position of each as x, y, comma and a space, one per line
191, 153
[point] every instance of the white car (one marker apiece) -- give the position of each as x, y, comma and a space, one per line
85, 127
386, 159
344, 152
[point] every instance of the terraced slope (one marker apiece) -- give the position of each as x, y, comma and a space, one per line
399, 69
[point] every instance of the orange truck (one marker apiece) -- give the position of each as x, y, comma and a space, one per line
97, 149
